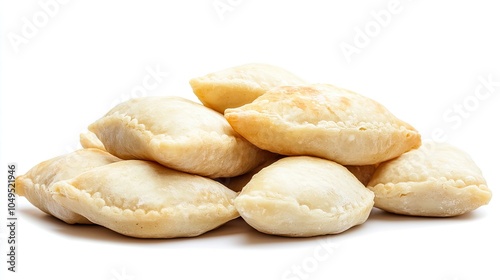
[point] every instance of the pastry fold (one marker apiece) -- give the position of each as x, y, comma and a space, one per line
178, 134
324, 121
304, 196
437, 180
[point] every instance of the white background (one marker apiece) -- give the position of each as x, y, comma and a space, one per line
424, 63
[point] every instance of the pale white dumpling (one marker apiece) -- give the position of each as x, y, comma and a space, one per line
304, 196
144, 199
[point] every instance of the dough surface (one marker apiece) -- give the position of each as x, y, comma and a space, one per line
89, 140
304, 196
146, 200
237, 86
435, 180
178, 134
35, 184
324, 121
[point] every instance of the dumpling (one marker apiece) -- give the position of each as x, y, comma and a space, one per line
304, 196
324, 121
144, 199
35, 184
239, 85
179, 134
435, 180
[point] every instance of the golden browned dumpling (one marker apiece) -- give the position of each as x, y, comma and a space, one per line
144, 199
304, 196
239, 85
324, 121
179, 134
35, 184
435, 180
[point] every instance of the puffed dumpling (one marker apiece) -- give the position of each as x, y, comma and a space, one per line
304, 196
237, 86
89, 140
179, 134
146, 200
324, 121
35, 184
435, 180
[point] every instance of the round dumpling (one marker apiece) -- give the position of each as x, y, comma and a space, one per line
304, 196
435, 180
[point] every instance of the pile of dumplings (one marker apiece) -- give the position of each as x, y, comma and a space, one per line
289, 157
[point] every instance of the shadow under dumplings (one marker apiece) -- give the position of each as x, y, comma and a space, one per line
381, 220
256, 238
239, 232
381, 215
83, 231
